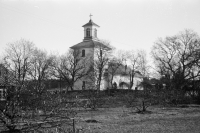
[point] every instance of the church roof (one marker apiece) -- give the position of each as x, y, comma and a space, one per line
90, 44
125, 71
90, 23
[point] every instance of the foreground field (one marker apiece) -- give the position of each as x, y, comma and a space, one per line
124, 120
115, 115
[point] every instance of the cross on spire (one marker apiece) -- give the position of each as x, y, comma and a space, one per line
91, 16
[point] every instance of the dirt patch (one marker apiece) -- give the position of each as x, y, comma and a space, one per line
92, 121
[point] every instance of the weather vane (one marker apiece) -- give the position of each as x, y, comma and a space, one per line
91, 16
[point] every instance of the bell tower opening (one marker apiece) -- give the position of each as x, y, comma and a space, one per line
88, 32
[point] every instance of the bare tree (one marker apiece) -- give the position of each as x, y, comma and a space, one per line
71, 67
51, 108
28, 68
102, 55
133, 58
176, 56
39, 73
17, 61
113, 67
115, 64
138, 65
143, 63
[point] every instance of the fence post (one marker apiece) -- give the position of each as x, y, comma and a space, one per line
74, 128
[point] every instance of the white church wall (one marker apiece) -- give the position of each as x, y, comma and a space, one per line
88, 60
90, 54
119, 78
89, 84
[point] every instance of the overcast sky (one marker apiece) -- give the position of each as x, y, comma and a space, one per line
55, 25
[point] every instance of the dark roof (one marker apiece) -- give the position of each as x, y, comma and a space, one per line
125, 70
89, 44
154, 81
90, 23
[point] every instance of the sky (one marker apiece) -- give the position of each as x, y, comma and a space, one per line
55, 25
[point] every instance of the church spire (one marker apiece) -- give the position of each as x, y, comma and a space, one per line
90, 23
91, 16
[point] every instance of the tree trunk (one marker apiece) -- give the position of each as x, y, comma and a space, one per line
72, 88
143, 106
99, 85
131, 80
99, 81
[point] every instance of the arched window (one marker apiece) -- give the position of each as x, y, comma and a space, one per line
88, 32
95, 32
83, 53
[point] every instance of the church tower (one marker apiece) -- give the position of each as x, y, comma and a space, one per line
87, 49
90, 30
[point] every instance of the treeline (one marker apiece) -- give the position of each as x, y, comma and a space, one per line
177, 62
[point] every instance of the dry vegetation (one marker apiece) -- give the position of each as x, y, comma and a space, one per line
119, 114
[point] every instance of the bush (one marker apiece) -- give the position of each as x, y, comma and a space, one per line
94, 100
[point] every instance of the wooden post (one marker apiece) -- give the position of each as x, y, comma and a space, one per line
74, 128
143, 106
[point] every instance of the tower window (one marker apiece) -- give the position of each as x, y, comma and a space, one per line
83, 85
83, 53
95, 32
88, 32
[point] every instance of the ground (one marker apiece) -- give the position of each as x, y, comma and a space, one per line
157, 120
115, 115
124, 120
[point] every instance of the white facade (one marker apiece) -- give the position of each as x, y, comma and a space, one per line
85, 82
121, 78
90, 80
88, 48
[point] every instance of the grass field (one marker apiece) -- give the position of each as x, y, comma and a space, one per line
124, 120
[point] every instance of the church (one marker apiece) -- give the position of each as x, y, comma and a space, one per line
88, 54
87, 49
